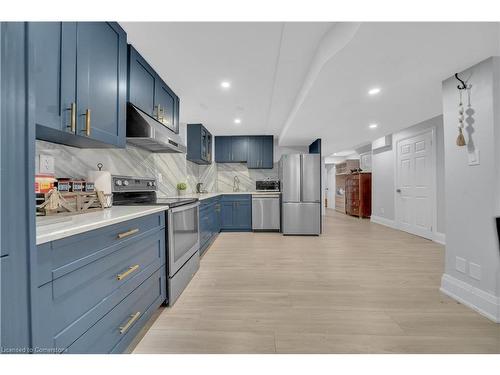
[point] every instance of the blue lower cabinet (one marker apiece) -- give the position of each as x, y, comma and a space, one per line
209, 222
236, 212
115, 331
84, 283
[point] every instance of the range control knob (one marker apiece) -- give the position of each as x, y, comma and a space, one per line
118, 182
125, 183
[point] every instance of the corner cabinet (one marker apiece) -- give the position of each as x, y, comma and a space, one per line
80, 78
148, 92
256, 151
199, 144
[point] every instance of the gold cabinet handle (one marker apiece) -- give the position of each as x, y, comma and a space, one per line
130, 270
128, 233
87, 122
131, 321
72, 121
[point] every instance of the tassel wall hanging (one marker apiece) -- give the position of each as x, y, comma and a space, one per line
461, 139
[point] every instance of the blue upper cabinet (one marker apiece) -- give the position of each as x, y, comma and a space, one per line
231, 149
101, 82
148, 92
167, 106
80, 82
199, 144
141, 82
260, 152
256, 151
54, 59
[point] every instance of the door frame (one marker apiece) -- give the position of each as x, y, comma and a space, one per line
433, 184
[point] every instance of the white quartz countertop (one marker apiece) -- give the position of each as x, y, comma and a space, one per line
203, 196
51, 228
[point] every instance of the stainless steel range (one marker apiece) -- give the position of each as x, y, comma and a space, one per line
183, 234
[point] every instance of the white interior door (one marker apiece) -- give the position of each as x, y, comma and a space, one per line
415, 185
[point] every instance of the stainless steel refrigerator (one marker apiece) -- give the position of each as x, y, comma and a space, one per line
300, 179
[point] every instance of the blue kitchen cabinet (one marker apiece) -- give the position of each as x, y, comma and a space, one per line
87, 287
231, 149
199, 144
236, 212
141, 86
80, 82
101, 82
167, 106
148, 92
54, 58
209, 222
223, 149
260, 152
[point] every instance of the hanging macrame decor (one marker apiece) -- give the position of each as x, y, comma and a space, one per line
461, 139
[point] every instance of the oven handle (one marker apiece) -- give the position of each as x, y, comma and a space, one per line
185, 207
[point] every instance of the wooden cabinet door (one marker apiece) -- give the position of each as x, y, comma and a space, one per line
141, 82
254, 152
223, 149
54, 72
165, 105
227, 215
101, 82
239, 149
267, 153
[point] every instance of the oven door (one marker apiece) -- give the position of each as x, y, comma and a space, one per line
183, 235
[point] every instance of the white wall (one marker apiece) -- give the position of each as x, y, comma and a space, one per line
473, 192
383, 174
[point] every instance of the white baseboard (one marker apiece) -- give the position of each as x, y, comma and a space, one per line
439, 238
484, 303
383, 221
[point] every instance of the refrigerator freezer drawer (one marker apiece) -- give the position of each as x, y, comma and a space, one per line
301, 218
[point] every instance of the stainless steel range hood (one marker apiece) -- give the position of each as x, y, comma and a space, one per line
145, 132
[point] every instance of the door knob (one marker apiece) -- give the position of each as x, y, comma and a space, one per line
398, 190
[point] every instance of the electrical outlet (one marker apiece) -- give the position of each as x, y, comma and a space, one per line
159, 178
475, 271
460, 264
46, 164
382, 210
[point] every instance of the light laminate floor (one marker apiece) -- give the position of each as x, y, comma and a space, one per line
359, 288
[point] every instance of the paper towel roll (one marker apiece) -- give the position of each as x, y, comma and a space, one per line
101, 179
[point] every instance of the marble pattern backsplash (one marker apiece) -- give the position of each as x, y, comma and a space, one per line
132, 161
173, 168
247, 177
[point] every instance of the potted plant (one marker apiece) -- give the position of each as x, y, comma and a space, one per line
181, 188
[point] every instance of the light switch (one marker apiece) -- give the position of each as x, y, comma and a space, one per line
46, 164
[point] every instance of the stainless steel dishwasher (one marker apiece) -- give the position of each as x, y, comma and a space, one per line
266, 212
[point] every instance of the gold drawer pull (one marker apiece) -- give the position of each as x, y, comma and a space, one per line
131, 321
128, 233
123, 275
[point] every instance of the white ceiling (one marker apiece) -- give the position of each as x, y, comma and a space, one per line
265, 63
304, 81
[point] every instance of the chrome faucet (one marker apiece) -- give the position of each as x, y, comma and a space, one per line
236, 184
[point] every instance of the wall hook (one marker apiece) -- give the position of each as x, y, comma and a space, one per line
464, 84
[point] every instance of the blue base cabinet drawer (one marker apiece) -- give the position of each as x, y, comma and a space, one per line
114, 332
72, 303
56, 259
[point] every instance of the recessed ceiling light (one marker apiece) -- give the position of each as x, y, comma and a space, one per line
374, 91
372, 126
237, 121
225, 84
